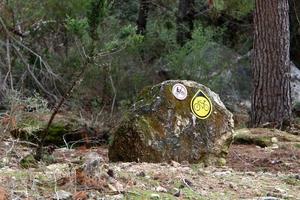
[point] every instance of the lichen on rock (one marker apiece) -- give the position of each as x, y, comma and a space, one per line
64, 128
161, 128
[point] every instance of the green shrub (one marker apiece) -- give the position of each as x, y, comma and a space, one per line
235, 8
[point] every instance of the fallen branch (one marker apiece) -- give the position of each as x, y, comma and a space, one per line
22, 142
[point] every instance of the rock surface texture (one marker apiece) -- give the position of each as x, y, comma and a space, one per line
295, 83
161, 128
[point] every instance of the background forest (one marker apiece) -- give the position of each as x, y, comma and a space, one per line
44, 44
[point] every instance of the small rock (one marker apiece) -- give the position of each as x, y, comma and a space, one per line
279, 190
141, 174
274, 140
177, 192
185, 163
119, 186
185, 169
154, 196
62, 195
222, 162
289, 196
112, 188
201, 173
110, 172
118, 197
92, 162
245, 186
276, 162
4, 161
221, 183
250, 173
93, 194
174, 163
161, 189
232, 186
106, 166
297, 176
267, 198
187, 182
225, 173
274, 146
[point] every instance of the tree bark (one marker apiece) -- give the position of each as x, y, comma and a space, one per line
185, 21
271, 97
142, 17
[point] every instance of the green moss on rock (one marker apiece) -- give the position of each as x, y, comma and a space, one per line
31, 128
262, 141
55, 134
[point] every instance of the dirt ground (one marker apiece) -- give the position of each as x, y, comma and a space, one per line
251, 172
254, 158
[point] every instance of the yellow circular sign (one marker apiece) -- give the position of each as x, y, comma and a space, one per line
201, 105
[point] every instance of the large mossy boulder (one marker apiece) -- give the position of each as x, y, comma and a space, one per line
161, 128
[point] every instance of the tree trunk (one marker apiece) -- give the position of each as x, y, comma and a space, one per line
271, 97
185, 21
142, 17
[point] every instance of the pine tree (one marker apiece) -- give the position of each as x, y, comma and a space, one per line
271, 97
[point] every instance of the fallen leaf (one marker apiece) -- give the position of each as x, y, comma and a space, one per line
92, 182
81, 195
3, 194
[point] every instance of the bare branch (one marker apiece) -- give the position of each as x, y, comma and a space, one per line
77, 81
114, 91
9, 72
32, 74
45, 69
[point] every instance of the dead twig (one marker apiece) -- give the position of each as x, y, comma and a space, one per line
22, 142
77, 81
114, 91
9, 72
32, 74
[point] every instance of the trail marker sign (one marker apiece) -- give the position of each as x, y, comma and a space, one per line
179, 91
201, 105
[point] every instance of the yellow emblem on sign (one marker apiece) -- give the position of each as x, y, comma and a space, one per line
201, 105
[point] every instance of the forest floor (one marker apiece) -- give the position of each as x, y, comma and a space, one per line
251, 172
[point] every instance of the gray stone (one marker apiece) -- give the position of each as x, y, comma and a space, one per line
161, 189
174, 163
161, 128
154, 196
267, 198
274, 140
92, 162
62, 195
295, 83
